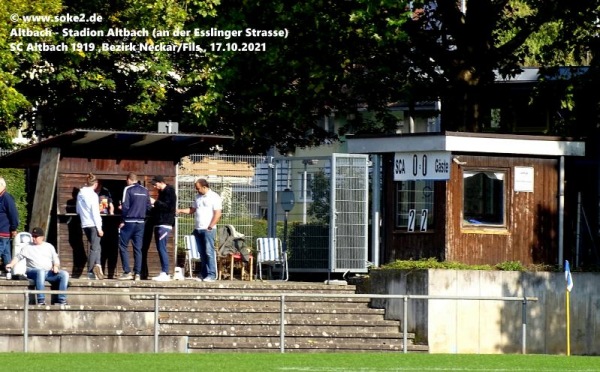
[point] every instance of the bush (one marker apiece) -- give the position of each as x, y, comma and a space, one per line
433, 263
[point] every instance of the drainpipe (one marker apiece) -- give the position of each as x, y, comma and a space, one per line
375, 208
561, 211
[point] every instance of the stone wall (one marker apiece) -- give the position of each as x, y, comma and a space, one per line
493, 327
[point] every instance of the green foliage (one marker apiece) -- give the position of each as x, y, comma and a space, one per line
320, 207
493, 37
337, 57
433, 263
510, 266
14, 65
15, 185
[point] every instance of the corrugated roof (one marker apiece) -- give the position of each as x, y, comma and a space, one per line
107, 144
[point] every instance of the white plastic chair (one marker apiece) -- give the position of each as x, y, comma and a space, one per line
20, 241
270, 252
191, 251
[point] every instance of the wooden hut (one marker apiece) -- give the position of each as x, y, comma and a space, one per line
472, 198
57, 168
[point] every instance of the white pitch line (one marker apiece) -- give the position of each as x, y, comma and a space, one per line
421, 369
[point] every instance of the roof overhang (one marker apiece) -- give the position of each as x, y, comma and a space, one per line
105, 144
466, 142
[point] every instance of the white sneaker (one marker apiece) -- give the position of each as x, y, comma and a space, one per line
162, 277
208, 280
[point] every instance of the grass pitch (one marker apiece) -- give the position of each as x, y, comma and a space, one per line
294, 362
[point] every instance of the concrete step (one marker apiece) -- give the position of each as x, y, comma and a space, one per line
298, 344
325, 330
134, 316
194, 318
198, 317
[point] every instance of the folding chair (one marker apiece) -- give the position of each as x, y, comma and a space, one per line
270, 252
191, 252
19, 242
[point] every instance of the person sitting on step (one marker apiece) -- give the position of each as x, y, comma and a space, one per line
43, 266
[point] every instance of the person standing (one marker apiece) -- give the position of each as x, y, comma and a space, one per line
9, 222
207, 209
88, 209
135, 205
163, 211
105, 198
43, 266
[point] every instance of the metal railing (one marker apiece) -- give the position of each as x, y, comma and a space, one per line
282, 297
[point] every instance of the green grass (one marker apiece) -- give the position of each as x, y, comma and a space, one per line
306, 362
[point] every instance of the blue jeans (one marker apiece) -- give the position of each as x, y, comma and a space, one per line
135, 232
95, 248
205, 240
40, 276
161, 237
5, 250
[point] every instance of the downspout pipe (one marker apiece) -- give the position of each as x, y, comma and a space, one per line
561, 211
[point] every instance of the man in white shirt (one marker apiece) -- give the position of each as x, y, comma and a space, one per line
88, 209
207, 209
43, 266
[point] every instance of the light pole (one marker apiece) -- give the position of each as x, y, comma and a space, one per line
306, 163
287, 204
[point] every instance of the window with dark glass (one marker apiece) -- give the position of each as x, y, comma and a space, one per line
484, 198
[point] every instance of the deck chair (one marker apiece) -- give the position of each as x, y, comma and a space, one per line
19, 242
270, 252
191, 253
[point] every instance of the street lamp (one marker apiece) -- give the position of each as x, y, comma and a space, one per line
287, 203
306, 163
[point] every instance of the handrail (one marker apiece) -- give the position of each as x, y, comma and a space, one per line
157, 295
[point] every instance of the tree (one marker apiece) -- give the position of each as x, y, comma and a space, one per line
336, 57
14, 64
459, 53
95, 87
320, 208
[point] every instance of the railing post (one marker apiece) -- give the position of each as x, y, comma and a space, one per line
524, 327
156, 295
405, 325
26, 321
282, 325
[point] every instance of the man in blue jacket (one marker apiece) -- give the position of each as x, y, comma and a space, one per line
135, 205
9, 221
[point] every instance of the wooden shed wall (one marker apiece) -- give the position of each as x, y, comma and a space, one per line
531, 231
71, 243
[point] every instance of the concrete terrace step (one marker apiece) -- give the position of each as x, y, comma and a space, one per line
328, 330
41, 316
295, 319
299, 345
227, 316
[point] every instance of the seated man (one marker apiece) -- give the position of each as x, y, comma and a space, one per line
42, 265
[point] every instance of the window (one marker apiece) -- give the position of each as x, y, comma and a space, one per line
417, 196
484, 198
